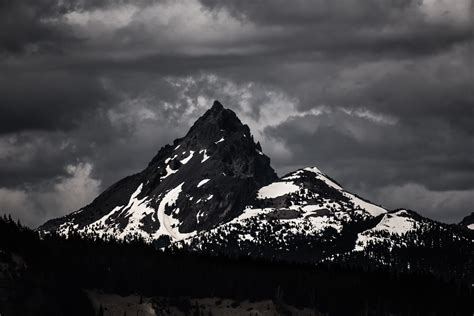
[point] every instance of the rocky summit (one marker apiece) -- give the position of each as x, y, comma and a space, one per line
201, 181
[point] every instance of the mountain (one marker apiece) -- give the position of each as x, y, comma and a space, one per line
214, 191
468, 221
201, 181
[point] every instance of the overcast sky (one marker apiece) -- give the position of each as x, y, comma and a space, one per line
377, 94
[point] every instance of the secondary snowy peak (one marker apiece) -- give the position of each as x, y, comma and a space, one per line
468, 221
204, 179
309, 187
307, 217
303, 213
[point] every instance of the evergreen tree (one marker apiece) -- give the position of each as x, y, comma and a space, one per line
101, 311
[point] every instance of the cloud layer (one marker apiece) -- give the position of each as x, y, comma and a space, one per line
376, 93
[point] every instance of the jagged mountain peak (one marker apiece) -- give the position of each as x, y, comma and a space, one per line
204, 179
217, 106
219, 136
217, 121
216, 127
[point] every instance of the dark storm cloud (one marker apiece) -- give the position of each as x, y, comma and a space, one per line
39, 22
366, 156
29, 26
312, 12
401, 152
23, 26
48, 100
343, 28
89, 90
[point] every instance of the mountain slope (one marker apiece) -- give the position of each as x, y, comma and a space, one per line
204, 179
303, 216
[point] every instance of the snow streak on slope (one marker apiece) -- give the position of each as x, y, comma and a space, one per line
202, 182
136, 212
188, 158
169, 225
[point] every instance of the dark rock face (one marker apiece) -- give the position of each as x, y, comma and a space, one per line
204, 179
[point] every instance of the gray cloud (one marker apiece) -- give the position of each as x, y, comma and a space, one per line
53, 198
48, 100
377, 94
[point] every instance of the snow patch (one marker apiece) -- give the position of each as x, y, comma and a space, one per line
311, 208
169, 172
277, 189
185, 160
168, 159
246, 237
168, 224
397, 223
199, 215
293, 176
372, 209
204, 154
202, 182
136, 209
329, 182
249, 213
314, 170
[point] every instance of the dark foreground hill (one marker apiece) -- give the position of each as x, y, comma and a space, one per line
76, 276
